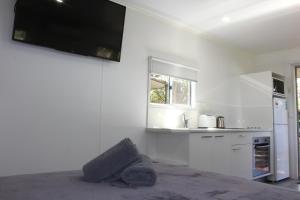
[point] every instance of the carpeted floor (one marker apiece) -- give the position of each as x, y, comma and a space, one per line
174, 183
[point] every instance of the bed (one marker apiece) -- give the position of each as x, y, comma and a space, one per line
174, 183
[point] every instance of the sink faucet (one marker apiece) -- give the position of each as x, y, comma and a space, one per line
185, 121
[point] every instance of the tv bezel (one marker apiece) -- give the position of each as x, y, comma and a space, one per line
73, 51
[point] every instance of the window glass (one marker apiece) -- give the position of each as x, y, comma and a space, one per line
180, 91
159, 92
170, 90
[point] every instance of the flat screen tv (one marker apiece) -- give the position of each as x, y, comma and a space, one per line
86, 27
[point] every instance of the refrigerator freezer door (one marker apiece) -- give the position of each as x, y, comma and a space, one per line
281, 152
280, 111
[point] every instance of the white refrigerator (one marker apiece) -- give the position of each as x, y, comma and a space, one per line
281, 143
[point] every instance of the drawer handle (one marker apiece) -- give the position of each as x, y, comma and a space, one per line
262, 147
219, 136
206, 136
236, 149
242, 136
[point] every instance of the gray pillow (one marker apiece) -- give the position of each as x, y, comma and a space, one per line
112, 161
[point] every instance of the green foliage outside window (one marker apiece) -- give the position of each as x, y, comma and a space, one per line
159, 89
169, 90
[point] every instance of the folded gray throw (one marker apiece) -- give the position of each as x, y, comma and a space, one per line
140, 173
112, 161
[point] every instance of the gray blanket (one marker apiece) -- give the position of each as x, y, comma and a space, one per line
173, 183
111, 162
140, 173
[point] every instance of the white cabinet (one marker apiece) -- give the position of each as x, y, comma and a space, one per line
221, 153
200, 149
240, 138
241, 160
228, 153
210, 152
241, 155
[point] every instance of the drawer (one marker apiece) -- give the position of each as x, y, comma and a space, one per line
241, 138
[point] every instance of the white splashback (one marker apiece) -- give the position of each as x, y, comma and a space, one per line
222, 97
231, 113
256, 99
244, 100
170, 117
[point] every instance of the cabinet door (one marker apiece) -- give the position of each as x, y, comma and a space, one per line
241, 161
221, 154
241, 138
201, 151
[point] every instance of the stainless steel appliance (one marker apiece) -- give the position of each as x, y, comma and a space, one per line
261, 156
220, 122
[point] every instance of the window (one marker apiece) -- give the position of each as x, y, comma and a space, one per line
170, 90
181, 90
159, 89
171, 83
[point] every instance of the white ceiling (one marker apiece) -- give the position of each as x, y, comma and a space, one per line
256, 25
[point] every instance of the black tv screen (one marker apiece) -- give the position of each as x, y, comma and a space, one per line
87, 27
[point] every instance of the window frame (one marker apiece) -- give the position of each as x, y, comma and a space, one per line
169, 103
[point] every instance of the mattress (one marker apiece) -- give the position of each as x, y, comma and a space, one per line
174, 183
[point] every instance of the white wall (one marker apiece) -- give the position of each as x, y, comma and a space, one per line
124, 111
58, 110
219, 92
49, 105
256, 98
125, 83
282, 62
218, 87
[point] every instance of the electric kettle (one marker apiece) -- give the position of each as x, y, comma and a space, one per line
220, 122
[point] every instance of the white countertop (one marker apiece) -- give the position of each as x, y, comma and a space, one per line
201, 130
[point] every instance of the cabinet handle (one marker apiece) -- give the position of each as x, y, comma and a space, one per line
206, 136
219, 136
261, 147
236, 149
242, 135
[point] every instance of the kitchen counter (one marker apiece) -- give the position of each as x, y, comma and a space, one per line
203, 130
226, 151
